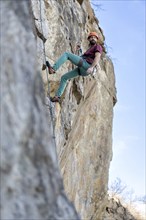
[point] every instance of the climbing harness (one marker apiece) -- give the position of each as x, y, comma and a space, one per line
80, 64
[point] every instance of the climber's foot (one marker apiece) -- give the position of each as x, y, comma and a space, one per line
55, 99
51, 70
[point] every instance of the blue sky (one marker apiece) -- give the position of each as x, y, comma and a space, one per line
123, 23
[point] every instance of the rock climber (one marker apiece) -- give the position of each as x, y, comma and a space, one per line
85, 63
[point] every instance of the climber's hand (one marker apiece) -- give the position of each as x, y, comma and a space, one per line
78, 47
90, 70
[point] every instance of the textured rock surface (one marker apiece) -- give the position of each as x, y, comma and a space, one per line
115, 210
83, 122
31, 185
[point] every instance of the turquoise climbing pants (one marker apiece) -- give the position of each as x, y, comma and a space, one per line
80, 70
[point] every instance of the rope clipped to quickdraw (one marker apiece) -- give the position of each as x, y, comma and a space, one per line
47, 72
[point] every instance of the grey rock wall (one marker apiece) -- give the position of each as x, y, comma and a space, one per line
31, 184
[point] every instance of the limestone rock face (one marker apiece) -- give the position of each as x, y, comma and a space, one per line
31, 184
116, 210
83, 121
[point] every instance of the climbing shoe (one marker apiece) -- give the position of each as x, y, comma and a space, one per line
55, 99
47, 64
51, 70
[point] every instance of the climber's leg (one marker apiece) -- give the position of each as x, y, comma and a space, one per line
77, 60
72, 74
83, 70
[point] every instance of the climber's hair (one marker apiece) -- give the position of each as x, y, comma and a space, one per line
101, 43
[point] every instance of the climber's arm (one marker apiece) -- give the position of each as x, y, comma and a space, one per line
95, 62
78, 50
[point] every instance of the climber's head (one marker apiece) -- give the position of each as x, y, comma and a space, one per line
93, 38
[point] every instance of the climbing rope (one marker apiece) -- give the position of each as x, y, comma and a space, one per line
44, 51
47, 72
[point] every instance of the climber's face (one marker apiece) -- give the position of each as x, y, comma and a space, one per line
92, 40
